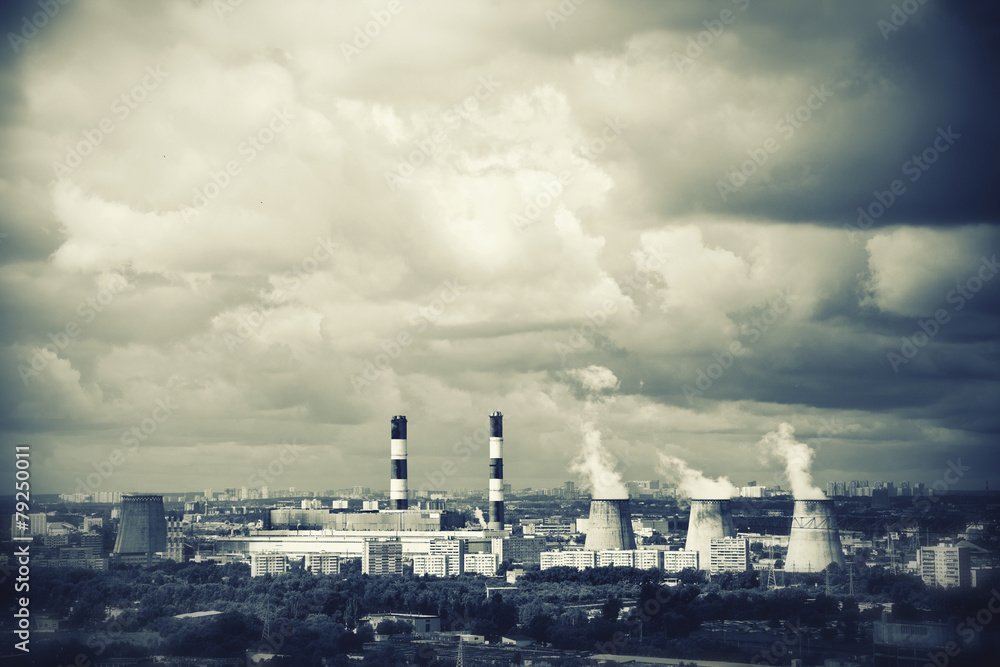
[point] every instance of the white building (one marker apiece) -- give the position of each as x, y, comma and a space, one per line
322, 563
616, 558
454, 550
264, 563
482, 563
729, 554
675, 561
382, 557
578, 559
946, 566
648, 558
435, 565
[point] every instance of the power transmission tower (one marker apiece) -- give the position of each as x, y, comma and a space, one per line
460, 662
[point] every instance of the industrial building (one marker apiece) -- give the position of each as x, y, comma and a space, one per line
496, 521
143, 530
710, 520
814, 542
610, 525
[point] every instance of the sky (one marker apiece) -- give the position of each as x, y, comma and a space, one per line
236, 238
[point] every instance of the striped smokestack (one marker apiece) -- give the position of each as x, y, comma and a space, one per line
496, 472
398, 494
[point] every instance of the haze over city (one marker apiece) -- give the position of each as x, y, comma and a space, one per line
658, 228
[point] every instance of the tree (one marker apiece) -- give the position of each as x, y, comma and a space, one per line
611, 609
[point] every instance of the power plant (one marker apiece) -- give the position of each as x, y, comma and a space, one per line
496, 472
814, 542
398, 491
710, 520
143, 530
610, 526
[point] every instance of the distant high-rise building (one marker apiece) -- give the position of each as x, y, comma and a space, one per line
729, 554
382, 556
946, 566
453, 550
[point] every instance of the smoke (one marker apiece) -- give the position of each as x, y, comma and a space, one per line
798, 458
693, 483
597, 467
479, 515
595, 379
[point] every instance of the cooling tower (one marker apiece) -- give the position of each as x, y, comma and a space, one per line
609, 526
815, 541
496, 472
398, 491
710, 520
143, 529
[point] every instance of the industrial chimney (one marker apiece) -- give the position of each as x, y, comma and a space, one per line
398, 492
610, 525
143, 529
496, 472
710, 519
815, 541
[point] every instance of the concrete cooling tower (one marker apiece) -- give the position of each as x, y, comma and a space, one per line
710, 520
610, 525
143, 529
815, 541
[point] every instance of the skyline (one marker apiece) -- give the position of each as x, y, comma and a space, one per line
230, 228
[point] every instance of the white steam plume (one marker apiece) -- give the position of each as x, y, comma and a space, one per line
798, 458
597, 467
482, 520
693, 483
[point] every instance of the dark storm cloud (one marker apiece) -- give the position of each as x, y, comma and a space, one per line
359, 247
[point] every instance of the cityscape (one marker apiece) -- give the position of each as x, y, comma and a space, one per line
665, 535
569, 333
